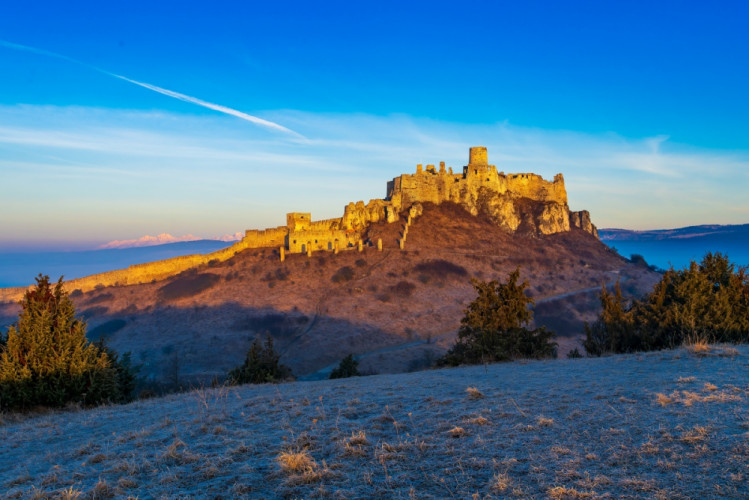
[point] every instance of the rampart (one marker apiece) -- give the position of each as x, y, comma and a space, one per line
259, 238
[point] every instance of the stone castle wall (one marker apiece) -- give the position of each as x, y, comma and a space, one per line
318, 240
138, 273
273, 237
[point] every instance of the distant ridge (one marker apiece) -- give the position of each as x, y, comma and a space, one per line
612, 234
161, 239
677, 247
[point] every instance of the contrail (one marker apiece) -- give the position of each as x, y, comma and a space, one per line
166, 92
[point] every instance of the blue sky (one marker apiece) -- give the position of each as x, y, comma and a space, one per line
142, 118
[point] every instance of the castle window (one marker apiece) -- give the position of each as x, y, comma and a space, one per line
295, 242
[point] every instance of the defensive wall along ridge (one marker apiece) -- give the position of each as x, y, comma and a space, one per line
516, 202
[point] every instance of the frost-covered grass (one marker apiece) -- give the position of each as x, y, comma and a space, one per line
672, 424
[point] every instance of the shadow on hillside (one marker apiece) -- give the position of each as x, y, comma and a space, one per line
182, 347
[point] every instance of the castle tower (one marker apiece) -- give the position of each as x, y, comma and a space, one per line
478, 162
477, 156
298, 221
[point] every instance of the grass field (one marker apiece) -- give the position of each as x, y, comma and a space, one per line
670, 424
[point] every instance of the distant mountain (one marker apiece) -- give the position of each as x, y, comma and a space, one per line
20, 268
161, 239
667, 247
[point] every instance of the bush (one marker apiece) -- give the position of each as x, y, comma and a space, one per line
708, 301
127, 373
493, 327
343, 274
403, 289
46, 359
439, 269
348, 367
260, 366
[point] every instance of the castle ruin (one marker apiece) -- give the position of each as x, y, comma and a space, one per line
523, 203
515, 202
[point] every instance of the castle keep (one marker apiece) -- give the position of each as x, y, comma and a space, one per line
515, 202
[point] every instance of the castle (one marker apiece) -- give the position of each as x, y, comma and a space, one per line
516, 202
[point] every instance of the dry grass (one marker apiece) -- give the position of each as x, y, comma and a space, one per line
295, 462
542, 421
474, 393
563, 493
500, 483
557, 429
698, 434
457, 432
355, 445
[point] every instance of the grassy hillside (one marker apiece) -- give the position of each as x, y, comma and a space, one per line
671, 424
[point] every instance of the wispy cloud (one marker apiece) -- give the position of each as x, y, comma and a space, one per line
209, 105
170, 93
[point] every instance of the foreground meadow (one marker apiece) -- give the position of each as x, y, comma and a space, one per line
668, 424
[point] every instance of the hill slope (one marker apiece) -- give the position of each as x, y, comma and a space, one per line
397, 309
670, 424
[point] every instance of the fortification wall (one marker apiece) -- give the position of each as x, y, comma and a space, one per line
357, 216
535, 187
139, 273
325, 224
272, 237
318, 240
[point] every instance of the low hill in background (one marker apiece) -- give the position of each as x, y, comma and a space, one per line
669, 424
397, 310
677, 247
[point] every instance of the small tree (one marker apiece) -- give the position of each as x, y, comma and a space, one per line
348, 367
260, 366
493, 328
127, 373
708, 301
47, 360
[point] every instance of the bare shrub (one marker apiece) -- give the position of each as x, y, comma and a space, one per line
474, 393
344, 274
439, 269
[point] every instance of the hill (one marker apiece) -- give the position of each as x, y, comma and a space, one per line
677, 247
670, 424
397, 310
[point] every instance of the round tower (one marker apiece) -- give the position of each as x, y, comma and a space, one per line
477, 156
